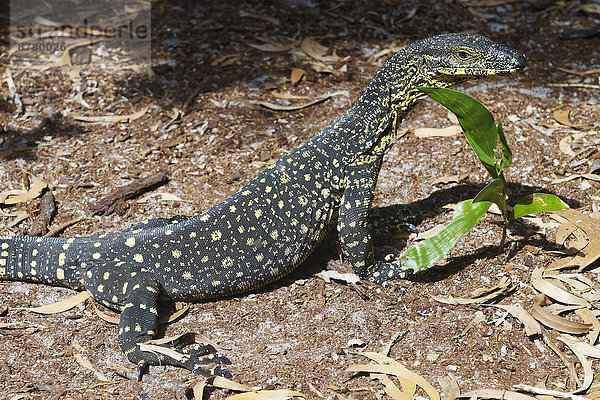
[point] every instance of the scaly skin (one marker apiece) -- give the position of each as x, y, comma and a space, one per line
271, 225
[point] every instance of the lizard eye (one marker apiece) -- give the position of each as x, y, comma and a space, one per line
462, 55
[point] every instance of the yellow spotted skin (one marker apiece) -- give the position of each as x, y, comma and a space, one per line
271, 225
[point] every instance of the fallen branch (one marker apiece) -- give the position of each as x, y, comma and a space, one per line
109, 204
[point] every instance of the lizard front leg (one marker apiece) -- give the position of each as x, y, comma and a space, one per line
353, 226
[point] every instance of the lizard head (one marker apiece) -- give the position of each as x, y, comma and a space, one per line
452, 58
455, 58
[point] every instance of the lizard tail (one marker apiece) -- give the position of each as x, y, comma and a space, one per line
37, 259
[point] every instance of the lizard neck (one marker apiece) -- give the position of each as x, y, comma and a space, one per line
369, 126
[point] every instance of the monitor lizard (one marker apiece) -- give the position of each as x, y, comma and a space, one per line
266, 229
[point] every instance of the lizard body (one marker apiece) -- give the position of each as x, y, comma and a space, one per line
272, 224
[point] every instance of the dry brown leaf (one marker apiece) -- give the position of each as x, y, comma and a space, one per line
274, 47
113, 118
495, 394
288, 96
198, 389
554, 393
564, 145
224, 383
249, 393
555, 321
59, 306
591, 227
588, 317
297, 74
317, 51
84, 362
400, 372
152, 348
451, 130
266, 18
590, 8
479, 317
409, 387
562, 116
582, 350
406, 377
450, 387
225, 60
66, 55
281, 394
294, 107
193, 337
553, 291
104, 316
15, 197
580, 73
532, 327
175, 316
486, 294
390, 387
591, 177
57, 229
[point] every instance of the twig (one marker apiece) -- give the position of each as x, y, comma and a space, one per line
61, 227
109, 204
576, 85
41, 223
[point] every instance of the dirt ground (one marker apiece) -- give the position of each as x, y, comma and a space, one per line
296, 334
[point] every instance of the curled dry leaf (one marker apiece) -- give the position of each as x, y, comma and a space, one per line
589, 318
450, 388
407, 378
555, 321
532, 327
317, 51
59, 306
548, 392
294, 107
18, 196
591, 227
84, 362
249, 393
452, 130
297, 74
553, 291
591, 177
562, 116
281, 394
192, 337
582, 351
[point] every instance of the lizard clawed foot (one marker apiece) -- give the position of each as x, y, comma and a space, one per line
389, 269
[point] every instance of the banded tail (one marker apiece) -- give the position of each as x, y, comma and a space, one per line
38, 259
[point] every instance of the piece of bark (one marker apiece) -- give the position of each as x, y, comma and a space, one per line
114, 201
42, 221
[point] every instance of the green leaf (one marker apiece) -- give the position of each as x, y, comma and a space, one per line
495, 191
423, 254
537, 202
477, 123
507, 156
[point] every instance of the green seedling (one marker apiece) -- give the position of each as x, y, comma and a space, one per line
483, 135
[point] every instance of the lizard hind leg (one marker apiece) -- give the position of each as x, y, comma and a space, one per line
138, 324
